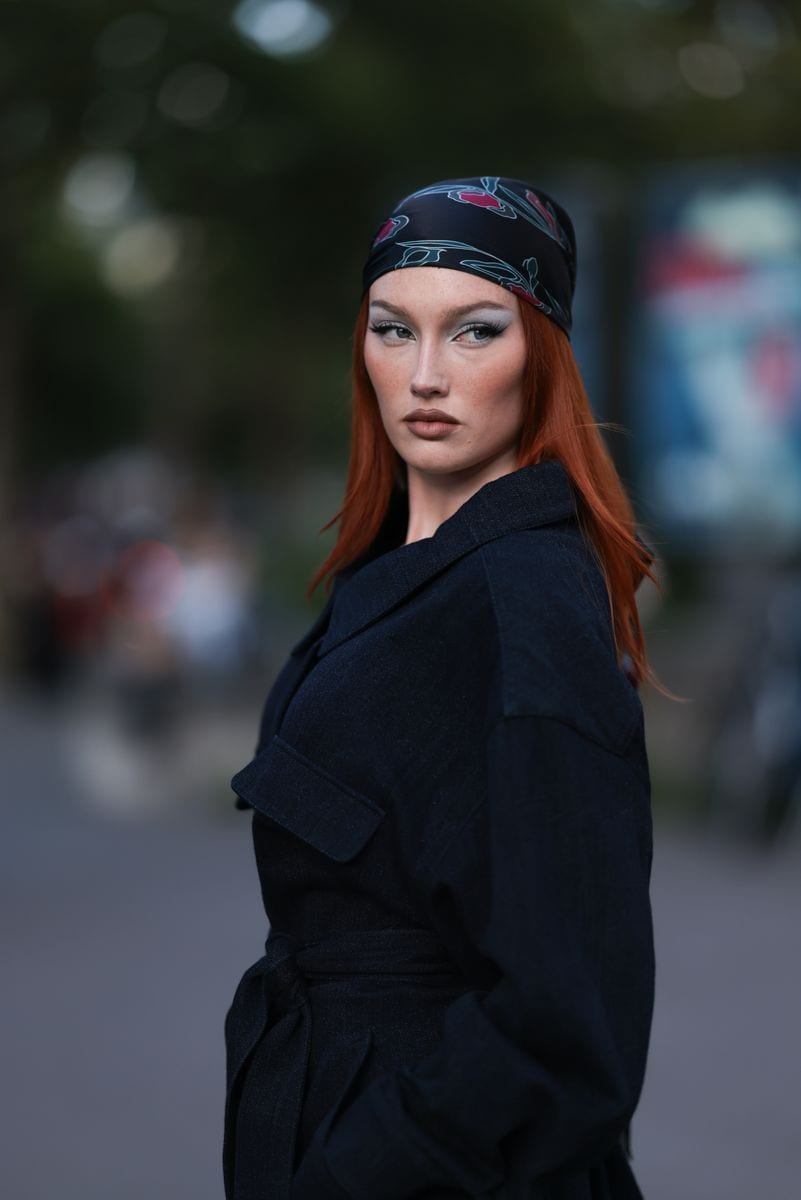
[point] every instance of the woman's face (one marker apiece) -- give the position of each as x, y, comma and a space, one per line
443, 343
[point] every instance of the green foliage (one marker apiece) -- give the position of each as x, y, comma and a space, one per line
242, 353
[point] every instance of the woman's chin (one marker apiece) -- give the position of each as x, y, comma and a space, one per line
438, 461
433, 463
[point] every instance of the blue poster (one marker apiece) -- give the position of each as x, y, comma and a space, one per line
715, 404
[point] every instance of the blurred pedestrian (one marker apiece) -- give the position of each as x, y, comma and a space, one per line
450, 793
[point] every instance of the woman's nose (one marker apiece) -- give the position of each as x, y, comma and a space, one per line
429, 378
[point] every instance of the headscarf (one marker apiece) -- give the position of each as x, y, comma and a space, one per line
500, 229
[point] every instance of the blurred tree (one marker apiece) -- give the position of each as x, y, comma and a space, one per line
188, 187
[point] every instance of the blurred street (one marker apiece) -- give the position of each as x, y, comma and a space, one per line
124, 938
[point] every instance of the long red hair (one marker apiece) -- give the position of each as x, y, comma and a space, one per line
557, 424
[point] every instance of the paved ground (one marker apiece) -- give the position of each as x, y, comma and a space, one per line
122, 941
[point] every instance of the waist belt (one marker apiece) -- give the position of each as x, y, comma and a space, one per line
268, 1027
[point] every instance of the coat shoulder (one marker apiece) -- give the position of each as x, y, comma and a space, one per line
554, 634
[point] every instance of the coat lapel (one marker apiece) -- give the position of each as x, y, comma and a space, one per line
531, 496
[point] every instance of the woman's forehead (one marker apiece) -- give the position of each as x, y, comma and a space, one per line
438, 287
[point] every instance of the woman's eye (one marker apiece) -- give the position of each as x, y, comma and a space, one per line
475, 334
480, 332
390, 331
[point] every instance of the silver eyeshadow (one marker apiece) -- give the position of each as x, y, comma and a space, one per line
493, 314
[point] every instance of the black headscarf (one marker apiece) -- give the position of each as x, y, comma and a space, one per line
501, 229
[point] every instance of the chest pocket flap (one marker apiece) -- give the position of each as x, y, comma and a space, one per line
300, 796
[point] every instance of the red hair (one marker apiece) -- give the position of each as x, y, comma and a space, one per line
557, 424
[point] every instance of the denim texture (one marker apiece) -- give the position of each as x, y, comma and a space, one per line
450, 804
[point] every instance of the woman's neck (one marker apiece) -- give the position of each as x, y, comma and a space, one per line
435, 497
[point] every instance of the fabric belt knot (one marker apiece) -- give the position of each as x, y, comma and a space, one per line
268, 1038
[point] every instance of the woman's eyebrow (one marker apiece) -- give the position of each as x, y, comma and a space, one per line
450, 314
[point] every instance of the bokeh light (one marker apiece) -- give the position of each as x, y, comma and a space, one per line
194, 94
141, 256
99, 187
711, 70
283, 27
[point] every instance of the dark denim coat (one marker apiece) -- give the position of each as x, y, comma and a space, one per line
451, 817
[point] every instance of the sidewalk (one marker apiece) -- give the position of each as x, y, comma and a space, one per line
720, 1116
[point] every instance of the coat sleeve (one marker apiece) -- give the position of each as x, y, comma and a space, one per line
545, 882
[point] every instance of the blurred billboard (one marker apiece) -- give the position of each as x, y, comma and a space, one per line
715, 360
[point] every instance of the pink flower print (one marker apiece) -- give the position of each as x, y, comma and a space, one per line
526, 295
481, 199
389, 229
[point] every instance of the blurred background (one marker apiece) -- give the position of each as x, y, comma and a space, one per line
187, 192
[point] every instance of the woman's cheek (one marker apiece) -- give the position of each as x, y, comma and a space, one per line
386, 378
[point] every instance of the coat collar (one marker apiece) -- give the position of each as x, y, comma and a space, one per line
381, 578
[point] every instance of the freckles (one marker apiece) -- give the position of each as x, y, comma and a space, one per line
493, 381
386, 374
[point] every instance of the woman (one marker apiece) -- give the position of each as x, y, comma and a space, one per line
450, 792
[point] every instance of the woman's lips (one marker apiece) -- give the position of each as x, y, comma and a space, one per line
430, 423
431, 429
